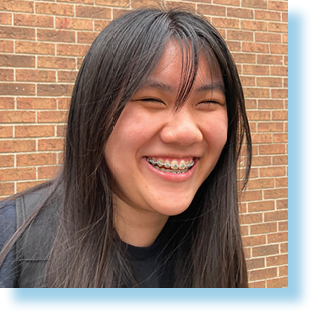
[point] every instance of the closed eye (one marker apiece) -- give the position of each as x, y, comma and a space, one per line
154, 100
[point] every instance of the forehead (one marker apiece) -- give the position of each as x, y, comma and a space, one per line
178, 63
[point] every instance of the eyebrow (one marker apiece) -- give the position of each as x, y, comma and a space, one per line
168, 88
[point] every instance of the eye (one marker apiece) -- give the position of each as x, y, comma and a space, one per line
208, 105
152, 100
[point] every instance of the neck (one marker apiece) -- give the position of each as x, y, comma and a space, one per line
137, 227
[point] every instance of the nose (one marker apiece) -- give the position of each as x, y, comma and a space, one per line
181, 128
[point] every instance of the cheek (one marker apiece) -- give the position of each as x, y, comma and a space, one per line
215, 131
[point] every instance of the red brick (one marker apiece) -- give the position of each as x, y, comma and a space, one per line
226, 22
269, 81
6, 74
267, 37
279, 93
273, 171
74, 23
56, 62
11, 174
251, 218
35, 75
6, 189
29, 131
255, 47
20, 186
6, 160
255, 69
281, 182
254, 240
284, 246
16, 145
17, 116
52, 116
265, 250
276, 215
67, 76
270, 104
54, 89
261, 206
253, 25
47, 172
93, 12
153, 3
278, 5
6, 131
55, 35
263, 228
255, 263
267, 15
260, 183
269, 59
280, 160
17, 32
21, 6
272, 149
248, 81
283, 226
119, 12
112, 3
278, 27
72, 50
277, 237
240, 13
207, 9
99, 25
17, 89
86, 37
17, 61
262, 4
261, 160
251, 195
279, 49
270, 126
244, 57
280, 138
283, 271
50, 144
258, 114
54, 8
282, 204
35, 48
36, 103
261, 138
5, 18
255, 275
277, 260
227, 2
33, 20
257, 284
35, 159
61, 131
6, 46
257, 93
278, 283
63, 103
240, 35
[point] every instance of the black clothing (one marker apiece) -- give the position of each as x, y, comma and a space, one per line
24, 266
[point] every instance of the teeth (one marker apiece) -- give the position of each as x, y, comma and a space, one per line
168, 166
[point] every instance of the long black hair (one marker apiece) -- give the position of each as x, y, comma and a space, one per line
204, 242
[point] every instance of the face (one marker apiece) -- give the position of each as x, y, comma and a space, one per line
159, 157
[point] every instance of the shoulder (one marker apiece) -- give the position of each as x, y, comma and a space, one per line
7, 229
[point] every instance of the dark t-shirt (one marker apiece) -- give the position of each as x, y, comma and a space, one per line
147, 261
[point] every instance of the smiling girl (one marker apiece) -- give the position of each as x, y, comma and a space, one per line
147, 196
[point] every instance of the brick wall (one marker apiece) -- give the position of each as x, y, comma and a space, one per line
42, 44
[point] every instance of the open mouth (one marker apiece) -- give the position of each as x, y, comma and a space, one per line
171, 165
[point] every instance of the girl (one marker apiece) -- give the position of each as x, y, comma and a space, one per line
147, 195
